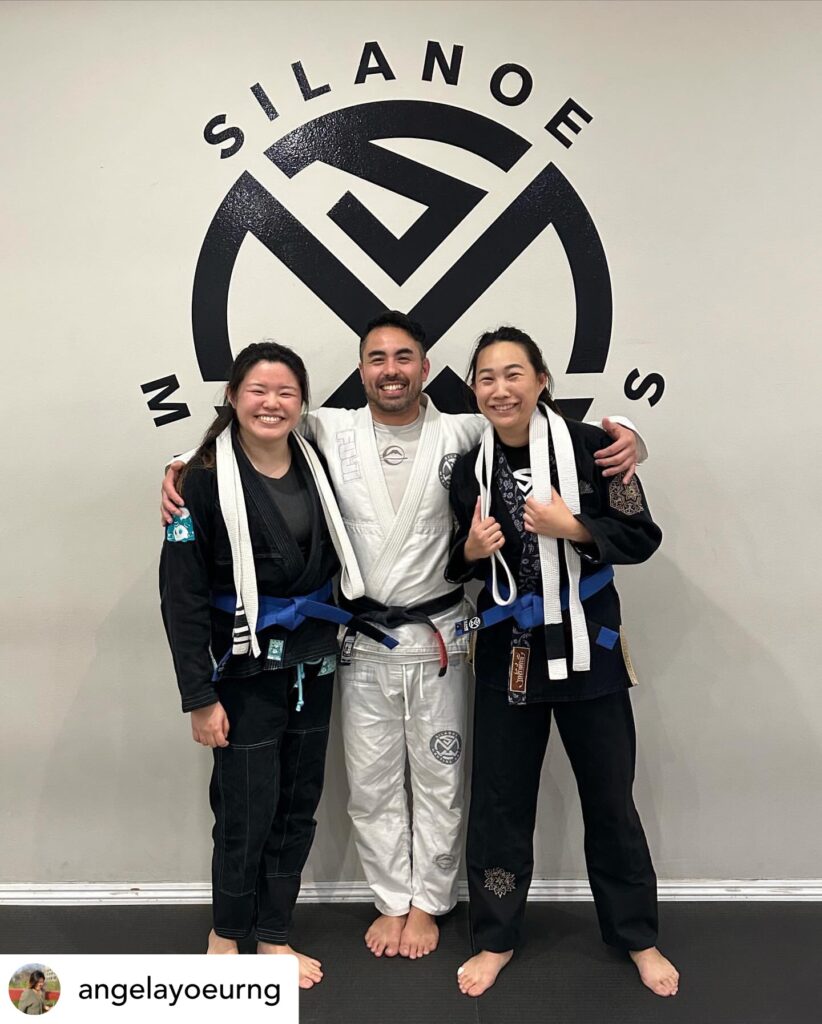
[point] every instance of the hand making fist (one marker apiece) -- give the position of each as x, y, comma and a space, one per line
484, 538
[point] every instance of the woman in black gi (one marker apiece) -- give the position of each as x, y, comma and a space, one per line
254, 524
546, 661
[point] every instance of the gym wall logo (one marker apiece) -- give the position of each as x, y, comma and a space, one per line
348, 139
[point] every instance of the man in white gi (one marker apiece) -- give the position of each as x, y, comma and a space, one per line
390, 464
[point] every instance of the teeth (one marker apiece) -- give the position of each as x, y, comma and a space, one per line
270, 419
392, 387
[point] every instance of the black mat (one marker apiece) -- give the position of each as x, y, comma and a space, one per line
741, 963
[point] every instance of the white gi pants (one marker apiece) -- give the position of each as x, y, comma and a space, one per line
390, 710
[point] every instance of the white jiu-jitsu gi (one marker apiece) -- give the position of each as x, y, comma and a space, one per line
394, 704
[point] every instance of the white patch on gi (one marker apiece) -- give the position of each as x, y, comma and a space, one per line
347, 452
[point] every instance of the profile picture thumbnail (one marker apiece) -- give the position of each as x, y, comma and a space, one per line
34, 989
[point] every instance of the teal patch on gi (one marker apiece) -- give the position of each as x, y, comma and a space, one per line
181, 529
328, 666
274, 658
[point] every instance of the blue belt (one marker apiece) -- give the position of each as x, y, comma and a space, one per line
291, 612
528, 610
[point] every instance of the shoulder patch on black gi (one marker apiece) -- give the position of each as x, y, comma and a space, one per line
181, 529
625, 498
446, 468
446, 746
499, 881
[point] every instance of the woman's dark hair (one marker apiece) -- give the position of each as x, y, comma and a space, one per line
532, 350
265, 351
35, 978
393, 318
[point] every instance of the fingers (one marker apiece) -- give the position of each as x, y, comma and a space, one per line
624, 464
477, 518
612, 454
168, 510
611, 428
171, 501
629, 475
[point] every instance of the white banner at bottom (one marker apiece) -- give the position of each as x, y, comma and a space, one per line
78, 988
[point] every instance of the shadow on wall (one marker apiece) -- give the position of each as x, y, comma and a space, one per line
127, 796
725, 751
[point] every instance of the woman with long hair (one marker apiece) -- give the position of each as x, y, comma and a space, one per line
543, 528
246, 588
33, 999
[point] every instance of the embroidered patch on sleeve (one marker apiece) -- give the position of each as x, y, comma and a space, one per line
585, 487
181, 529
625, 498
499, 881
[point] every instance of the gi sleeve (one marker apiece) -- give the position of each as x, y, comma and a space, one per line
622, 529
463, 493
623, 421
185, 587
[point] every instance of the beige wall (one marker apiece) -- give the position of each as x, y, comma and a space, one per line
701, 172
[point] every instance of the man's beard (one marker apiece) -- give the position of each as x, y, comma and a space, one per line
386, 404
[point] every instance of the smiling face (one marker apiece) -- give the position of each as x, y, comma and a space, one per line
268, 403
393, 371
507, 388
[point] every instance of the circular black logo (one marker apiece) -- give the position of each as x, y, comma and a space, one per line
446, 746
345, 139
446, 468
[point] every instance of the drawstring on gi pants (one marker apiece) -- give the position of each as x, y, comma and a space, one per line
298, 686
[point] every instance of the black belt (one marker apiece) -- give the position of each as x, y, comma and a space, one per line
391, 616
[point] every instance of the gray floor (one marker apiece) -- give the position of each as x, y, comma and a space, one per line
741, 963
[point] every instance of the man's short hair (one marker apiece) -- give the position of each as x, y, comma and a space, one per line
393, 318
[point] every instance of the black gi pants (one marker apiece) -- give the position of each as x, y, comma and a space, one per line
265, 788
509, 748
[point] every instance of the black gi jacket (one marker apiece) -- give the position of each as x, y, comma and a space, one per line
623, 532
191, 570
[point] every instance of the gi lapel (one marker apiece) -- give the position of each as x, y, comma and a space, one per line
396, 528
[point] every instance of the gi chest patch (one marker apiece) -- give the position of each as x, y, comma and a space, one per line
625, 498
445, 861
181, 529
447, 468
446, 746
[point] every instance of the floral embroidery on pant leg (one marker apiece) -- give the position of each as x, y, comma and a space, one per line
499, 881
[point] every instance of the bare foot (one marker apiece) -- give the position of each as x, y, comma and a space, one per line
420, 935
656, 972
217, 944
384, 935
310, 970
479, 973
